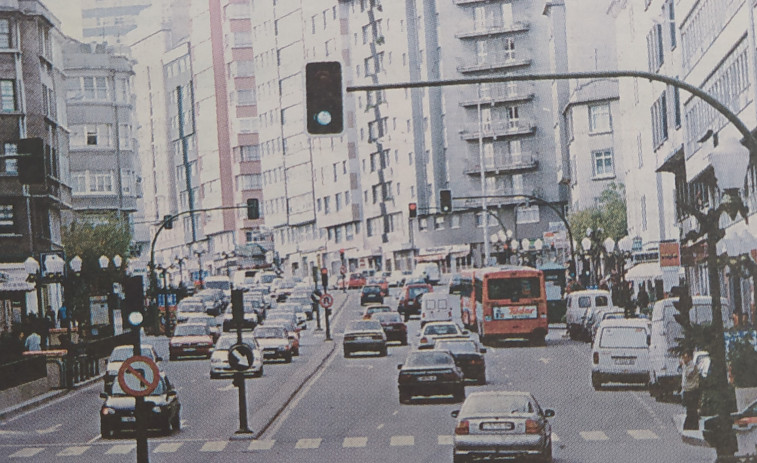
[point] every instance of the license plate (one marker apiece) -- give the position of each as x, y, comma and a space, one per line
128, 419
498, 426
427, 378
625, 361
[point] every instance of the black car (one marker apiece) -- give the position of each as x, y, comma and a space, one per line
430, 373
162, 409
371, 294
394, 328
469, 357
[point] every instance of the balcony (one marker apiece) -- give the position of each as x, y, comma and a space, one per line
492, 28
499, 93
504, 164
494, 129
504, 59
469, 2
493, 201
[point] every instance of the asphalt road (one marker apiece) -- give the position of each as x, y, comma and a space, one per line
349, 412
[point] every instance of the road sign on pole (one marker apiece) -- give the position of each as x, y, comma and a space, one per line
138, 376
240, 357
326, 301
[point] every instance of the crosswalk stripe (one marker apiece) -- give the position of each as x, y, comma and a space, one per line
401, 441
261, 444
308, 443
167, 447
120, 449
444, 440
642, 434
555, 438
213, 446
353, 442
593, 435
27, 452
73, 451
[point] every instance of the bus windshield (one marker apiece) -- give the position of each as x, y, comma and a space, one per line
513, 289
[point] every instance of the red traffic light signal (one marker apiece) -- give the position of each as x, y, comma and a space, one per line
412, 208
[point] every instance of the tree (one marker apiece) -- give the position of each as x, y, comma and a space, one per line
609, 214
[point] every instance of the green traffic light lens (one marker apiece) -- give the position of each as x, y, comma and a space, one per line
323, 118
135, 319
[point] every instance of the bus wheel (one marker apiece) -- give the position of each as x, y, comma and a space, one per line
538, 339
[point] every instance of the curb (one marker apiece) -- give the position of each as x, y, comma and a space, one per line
694, 438
44, 398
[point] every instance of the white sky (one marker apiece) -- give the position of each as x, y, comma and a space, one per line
69, 14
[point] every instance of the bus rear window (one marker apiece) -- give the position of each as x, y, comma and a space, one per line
513, 289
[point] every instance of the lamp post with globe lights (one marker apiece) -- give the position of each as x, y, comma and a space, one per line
620, 252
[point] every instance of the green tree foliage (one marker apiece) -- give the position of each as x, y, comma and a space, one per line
609, 214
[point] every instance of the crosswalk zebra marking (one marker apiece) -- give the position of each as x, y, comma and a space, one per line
75, 451
213, 446
167, 447
120, 449
354, 442
261, 444
402, 441
308, 443
642, 434
593, 435
27, 452
555, 438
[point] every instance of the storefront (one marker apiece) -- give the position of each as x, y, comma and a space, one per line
450, 258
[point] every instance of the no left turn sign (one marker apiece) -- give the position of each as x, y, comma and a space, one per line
138, 376
326, 301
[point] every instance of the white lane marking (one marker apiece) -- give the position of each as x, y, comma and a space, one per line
380, 426
27, 452
358, 365
4, 432
94, 439
230, 387
184, 424
593, 435
555, 438
402, 441
73, 451
649, 410
308, 443
353, 442
261, 444
545, 360
167, 447
444, 440
49, 430
213, 446
120, 449
53, 402
395, 413
642, 434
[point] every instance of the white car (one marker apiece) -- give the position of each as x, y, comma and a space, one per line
434, 331
620, 353
119, 355
219, 359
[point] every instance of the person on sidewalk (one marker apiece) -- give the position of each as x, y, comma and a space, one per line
690, 391
33, 342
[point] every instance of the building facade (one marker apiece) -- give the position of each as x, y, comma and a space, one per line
110, 20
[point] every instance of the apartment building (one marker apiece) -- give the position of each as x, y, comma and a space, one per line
110, 20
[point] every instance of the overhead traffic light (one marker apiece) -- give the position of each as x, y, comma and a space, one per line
168, 221
325, 278
412, 210
237, 306
323, 98
445, 201
31, 161
253, 209
134, 299
683, 305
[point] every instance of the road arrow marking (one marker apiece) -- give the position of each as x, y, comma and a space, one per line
230, 387
10, 433
49, 430
545, 360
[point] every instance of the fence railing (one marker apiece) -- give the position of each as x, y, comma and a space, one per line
22, 371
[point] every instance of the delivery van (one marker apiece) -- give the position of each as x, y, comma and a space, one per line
435, 307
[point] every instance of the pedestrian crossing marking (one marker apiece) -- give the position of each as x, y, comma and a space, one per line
593, 435
261, 444
354, 442
73, 451
120, 449
401, 441
213, 446
444, 440
308, 443
27, 452
642, 434
555, 438
167, 447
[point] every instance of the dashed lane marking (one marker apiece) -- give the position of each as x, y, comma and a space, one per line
402, 441
167, 447
354, 442
555, 438
395, 413
213, 446
308, 443
27, 452
642, 434
120, 449
73, 451
261, 444
593, 435
444, 440
380, 426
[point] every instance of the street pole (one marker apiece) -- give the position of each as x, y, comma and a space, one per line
327, 311
143, 455
482, 175
237, 308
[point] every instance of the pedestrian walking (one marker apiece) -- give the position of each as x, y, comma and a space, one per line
63, 318
690, 391
33, 342
642, 299
50, 316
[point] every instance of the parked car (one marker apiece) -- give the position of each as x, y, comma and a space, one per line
190, 306
409, 302
435, 308
580, 306
394, 328
293, 332
214, 300
457, 283
275, 342
375, 308
219, 359
119, 355
503, 424
620, 353
364, 335
371, 294
468, 355
190, 340
430, 373
610, 313
163, 409
435, 331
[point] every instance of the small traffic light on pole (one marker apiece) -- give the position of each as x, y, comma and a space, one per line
325, 278
323, 98
445, 201
168, 221
412, 209
253, 209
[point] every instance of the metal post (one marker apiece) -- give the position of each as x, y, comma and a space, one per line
242, 390
484, 205
143, 455
327, 312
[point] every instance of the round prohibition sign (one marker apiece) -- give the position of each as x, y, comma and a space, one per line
138, 376
326, 301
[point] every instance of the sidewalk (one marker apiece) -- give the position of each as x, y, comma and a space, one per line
690, 437
44, 398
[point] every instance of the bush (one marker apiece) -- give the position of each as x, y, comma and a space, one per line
742, 358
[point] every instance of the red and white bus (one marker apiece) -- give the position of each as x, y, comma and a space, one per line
505, 302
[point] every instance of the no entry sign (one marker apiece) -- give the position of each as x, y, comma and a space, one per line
138, 376
327, 301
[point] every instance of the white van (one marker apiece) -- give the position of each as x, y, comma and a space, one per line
427, 271
435, 307
665, 373
580, 306
620, 353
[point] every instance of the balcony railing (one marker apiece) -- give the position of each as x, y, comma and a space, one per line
497, 60
499, 93
504, 163
467, 2
494, 201
499, 129
493, 28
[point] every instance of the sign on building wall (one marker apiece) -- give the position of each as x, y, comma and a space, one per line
670, 254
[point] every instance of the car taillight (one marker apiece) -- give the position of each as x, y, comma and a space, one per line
424, 340
595, 357
477, 361
404, 378
401, 326
423, 315
462, 428
533, 427
377, 336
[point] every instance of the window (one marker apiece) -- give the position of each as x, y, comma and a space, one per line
242, 39
10, 166
245, 97
249, 153
249, 182
671, 22
439, 223
5, 33
454, 221
527, 214
602, 163
7, 95
599, 118
509, 49
659, 121
346, 198
124, 136
644, 213
338, 201
78, 182
101, 182
639, 151
655, 52
423, 224
6, 216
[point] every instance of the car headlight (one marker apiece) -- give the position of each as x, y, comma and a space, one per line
108, 411
156, 409
112, 372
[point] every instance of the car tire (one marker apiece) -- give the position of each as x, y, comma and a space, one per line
404, 397
172, 357
406, 317
459, 394
596, 382
539, 340
296, 352
547, 455
288, 358
382, 352
481, 380
106, 432
347, 354
460, 458
176, 423
214, 376
165, 429
403, 341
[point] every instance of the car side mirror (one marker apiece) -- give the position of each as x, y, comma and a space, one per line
649, 340
454, 413
549, 413
483, 350
103, 395
304, 327
171, 394
399, 366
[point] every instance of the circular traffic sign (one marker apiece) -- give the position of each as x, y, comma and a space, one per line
326, 301
138, 376
240, 357
343, 270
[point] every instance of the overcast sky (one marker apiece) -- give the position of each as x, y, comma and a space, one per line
69, 14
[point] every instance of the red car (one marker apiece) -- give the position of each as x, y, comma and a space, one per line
410, 300
190, 340
356, 281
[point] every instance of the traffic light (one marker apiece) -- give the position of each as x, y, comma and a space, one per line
237, 306
315, 296
323, 98
168, 221
683, 305
412, 209
341, 255
325, 278
31, 161
445, 201
134, 299
253, 209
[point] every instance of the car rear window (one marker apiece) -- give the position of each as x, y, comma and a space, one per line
601, 301
429, 358
440, 329
190, 330
457, 346
584, 302
371, 289
386, 317
504, 404
622, 337
364, 325
268, 332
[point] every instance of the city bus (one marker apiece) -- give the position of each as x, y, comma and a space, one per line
504, 303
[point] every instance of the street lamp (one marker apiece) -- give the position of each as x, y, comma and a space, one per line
620, 252
199, 250
31, 266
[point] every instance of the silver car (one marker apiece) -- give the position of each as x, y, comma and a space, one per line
219, 359
502, 424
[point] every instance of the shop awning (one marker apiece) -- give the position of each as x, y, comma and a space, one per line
645, 271
431, 257
16, 286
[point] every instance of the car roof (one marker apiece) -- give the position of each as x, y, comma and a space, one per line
448, 322
620, 322
590, 292
499, 393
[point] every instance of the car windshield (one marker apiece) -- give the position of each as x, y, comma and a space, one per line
366, 325
504, 404
387, 317
190, 330
623, 337
440, 329
225, 342
193, 306
416, 291
222, 285
121, 353
116, 389
269, 332
371, 289
429, 358
380, 308
457, 346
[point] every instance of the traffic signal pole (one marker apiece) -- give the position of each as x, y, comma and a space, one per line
143, 455
237, 312
327, 310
